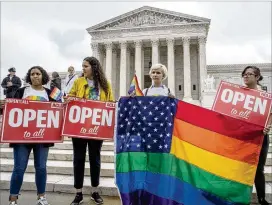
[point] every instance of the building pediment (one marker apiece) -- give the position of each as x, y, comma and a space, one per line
147, 16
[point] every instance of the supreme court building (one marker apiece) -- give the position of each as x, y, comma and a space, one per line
132, 42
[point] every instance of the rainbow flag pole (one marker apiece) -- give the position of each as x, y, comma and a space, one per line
134, 87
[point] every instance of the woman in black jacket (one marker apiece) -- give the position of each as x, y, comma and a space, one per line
36, 77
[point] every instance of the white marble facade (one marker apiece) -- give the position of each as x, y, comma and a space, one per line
130, 42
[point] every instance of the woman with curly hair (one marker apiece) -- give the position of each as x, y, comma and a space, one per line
36, 77
93, 85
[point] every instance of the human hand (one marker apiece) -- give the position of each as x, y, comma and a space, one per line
266, 129
9, 84
2, 103
171, 96
66, 99
133, 94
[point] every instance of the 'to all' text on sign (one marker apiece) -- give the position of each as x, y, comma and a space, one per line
89, 119
240, 102
32, 122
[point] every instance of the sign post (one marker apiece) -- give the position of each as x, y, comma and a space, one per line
250, 105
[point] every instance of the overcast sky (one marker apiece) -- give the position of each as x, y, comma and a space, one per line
54, 35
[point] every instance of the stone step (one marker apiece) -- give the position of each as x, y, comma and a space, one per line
60, 155
107, 146
66, 168
67, 155
67, 145
268, 162
64, 184
61, 183
70, 139
58, 167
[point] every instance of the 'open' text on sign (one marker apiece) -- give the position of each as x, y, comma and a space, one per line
237, 101
89, 119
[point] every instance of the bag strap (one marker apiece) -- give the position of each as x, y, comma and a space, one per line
146, 91
70, 79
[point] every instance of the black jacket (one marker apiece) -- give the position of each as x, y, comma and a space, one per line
55, 83
19, 95
16, 83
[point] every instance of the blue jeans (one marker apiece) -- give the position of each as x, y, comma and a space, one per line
21, 154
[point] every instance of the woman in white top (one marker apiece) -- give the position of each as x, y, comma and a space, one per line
69, 80
158, 73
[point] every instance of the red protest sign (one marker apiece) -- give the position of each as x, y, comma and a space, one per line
89, 119
250, 105
32, 122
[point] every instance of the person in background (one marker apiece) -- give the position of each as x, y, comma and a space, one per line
93, 85
36, 77
11, 83
56, 81
157, 73
252, 76
70, 79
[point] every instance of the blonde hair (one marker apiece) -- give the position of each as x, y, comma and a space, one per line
159, 66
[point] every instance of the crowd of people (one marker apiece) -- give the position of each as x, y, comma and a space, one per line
94, 85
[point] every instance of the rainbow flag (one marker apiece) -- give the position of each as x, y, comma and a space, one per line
36, 98
169, 152
56, 94
134, 86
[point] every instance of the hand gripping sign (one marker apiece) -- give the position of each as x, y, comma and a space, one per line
31, 122
89, 119
250, 105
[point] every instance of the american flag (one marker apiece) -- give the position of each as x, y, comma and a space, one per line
145, 124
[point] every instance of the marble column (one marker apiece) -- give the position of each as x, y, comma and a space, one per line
202, 61
123, 69
104, 61
155, 51
100, 55
108, 68
94, 50
187, 69
171, 62
139, 69
128, 68
114, 83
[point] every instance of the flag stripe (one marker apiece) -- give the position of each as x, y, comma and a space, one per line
219, 123
144, 197
213, 163
138, 90
225, 146
168, 188
135, 86
168, 164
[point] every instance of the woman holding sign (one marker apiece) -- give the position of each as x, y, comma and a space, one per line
252, 76
36, 77
93, 85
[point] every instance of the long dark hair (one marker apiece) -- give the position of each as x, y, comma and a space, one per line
257, 72
45, 76
99, 77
